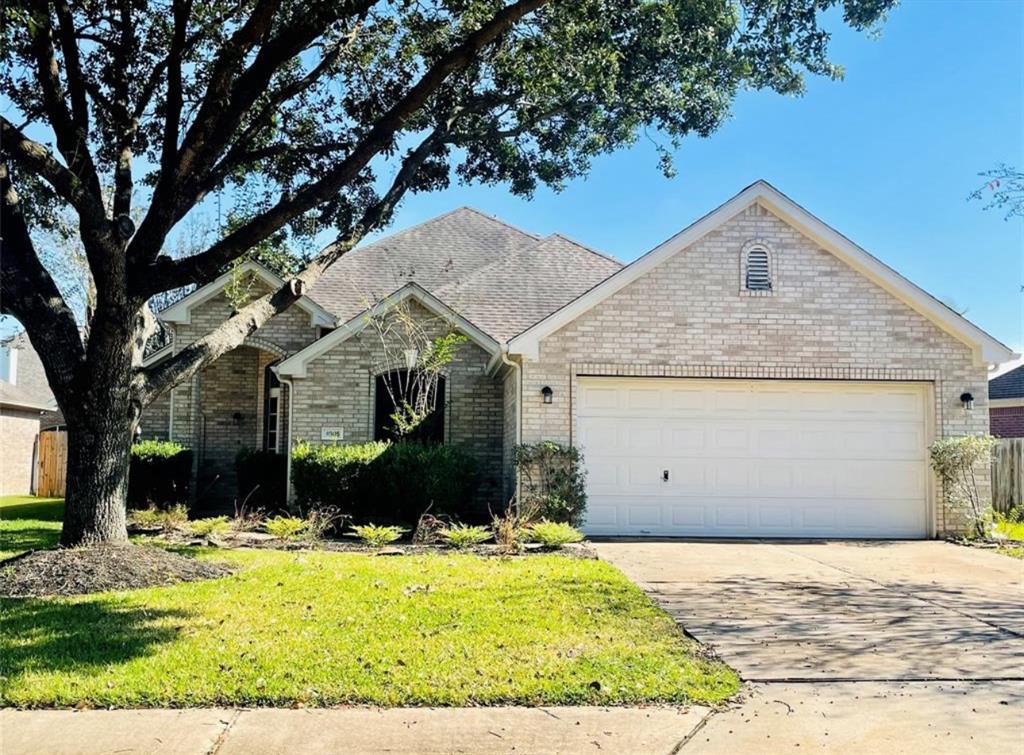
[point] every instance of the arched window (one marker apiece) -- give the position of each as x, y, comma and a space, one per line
758, 273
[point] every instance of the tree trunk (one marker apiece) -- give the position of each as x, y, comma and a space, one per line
100, 433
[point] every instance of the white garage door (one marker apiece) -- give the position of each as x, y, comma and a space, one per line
754, 458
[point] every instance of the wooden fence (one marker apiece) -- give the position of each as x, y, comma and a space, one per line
1008, 474
52, 464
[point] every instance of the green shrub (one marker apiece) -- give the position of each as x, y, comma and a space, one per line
262, 480
960, 462
464, 535
326, 475
285, 527
393, 483
159, 474
377, 536
214, 525
553, 534
172, 518
553, 481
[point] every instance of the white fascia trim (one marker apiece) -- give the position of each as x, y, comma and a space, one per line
987, 349
181, 311
296, 364
158, 355
1005, 403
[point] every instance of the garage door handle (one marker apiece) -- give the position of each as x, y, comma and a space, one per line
664, 475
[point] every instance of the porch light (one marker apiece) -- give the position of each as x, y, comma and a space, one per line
547, 393
411, 355
967, 400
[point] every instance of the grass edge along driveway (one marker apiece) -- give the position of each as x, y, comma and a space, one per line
321, 628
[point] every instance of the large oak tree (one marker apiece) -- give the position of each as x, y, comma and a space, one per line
314, 117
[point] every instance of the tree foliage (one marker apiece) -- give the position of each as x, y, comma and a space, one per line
305, 123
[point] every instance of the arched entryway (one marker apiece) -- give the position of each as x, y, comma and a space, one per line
242, 406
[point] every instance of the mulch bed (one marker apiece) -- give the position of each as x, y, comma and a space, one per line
76, 571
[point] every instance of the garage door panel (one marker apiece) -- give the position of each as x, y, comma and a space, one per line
754, 458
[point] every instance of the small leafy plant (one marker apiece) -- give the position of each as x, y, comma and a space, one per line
377, 536
960, 462
285, 527
171, 518
554, 534
464, 535
214, 525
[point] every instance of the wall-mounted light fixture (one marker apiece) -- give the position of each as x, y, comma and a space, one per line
547, 393
411, 355
967, 400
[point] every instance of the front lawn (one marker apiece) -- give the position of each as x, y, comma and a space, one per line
1011, 531
28, 523
322, 628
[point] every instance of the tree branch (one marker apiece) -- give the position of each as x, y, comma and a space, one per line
204, 266
232, 332
28, 292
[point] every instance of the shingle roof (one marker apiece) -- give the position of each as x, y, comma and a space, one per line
525, 286
15, 395
1008, 385
499, 277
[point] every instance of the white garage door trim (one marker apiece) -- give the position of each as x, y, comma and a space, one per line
756, 458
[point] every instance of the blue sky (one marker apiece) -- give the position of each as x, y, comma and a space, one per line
887, 156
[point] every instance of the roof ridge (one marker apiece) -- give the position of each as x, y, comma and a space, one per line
585, 248
496, 219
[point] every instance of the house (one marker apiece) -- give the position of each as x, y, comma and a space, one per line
21, 414
1006, 404
25, 370
757, 374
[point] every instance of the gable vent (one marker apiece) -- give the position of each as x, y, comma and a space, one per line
758, 276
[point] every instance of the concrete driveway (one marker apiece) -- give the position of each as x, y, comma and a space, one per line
849, 646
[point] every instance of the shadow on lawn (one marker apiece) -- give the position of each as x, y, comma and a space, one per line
44, 635
29, 538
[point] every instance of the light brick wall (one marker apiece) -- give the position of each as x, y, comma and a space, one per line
687, 318
510, 400
18, 431
155, 420
203, 407
338, 392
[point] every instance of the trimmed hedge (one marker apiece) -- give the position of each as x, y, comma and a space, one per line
385, 482
159, 474
262, 480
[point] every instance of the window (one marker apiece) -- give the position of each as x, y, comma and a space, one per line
758, 270
430, 431
271, 409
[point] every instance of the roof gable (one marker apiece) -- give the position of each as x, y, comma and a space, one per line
986, 348
181, 311
295, 366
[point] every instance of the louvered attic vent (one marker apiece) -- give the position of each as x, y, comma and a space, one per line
758, 275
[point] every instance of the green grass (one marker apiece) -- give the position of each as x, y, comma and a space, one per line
1011, 530
28, 523
327, 628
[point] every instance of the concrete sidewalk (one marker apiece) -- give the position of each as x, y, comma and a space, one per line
853, 718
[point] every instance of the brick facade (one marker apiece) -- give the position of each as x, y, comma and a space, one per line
687, 318
1007, 421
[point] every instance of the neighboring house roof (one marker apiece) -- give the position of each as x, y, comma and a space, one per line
15, 396
181, 310
296, 364
1009, 385
986, 348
